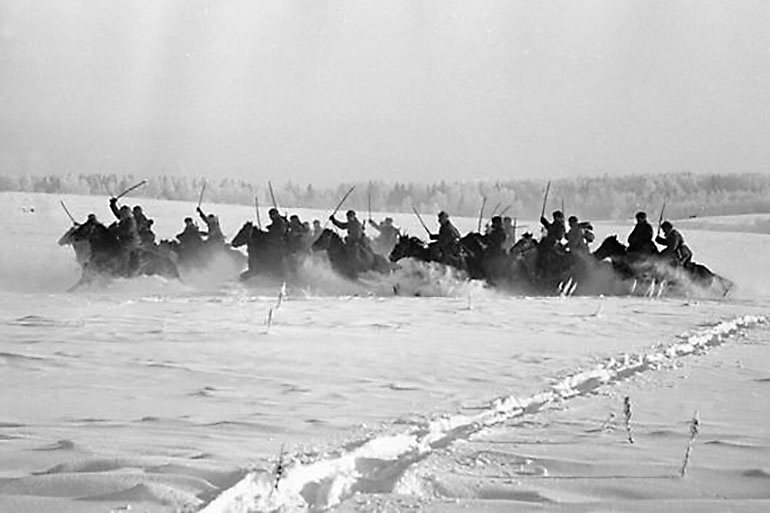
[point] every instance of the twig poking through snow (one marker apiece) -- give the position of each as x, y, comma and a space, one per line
627, 413
694, 428
279, 469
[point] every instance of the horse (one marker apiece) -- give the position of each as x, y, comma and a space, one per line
266, 255
656, 268
473, 256
410, 247
466, 257
99, 253
350, 260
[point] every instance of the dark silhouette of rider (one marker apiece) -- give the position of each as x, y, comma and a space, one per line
143, 226
190, 240
446, 242
353, 226
549, 248
496, 237
640, 241
124, 229
579, 235
555, 229
278, 224
297, 235
676, 251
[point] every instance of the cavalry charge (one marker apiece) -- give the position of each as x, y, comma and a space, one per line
561, 261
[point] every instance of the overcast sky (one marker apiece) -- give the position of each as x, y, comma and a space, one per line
418, 90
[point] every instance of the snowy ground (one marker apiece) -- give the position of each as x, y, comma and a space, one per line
162, 396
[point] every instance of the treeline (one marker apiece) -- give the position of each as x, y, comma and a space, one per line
597, 198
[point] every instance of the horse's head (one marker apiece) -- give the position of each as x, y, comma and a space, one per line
327, 240
243, 235
399, 250
524, 245
69, 236
473, 243
609, 248
406, 246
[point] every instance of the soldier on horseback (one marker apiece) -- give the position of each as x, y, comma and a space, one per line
495, 239
278, 225
388, 235
356, 243
354, 227
555, 229
143, 227
297, 236
640, 242
214, 234
445, 247
190, 240
549, 248
124, 229
579, 236
676, 251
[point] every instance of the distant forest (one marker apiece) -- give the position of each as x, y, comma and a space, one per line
595, 198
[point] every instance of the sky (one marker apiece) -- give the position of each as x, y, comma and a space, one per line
323, 92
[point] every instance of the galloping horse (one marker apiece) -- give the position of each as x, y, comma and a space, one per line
99, 253
473, 256
265, 254
654, 267
467, 258
349, 260
410, 247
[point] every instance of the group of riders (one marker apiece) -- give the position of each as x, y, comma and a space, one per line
128, 245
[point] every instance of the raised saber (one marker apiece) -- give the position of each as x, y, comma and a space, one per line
339, 205
660, 219
342, 201
200, 198
545, 199
272, 194
481, 212
419, 218
256, 207
133, 187
67, 211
